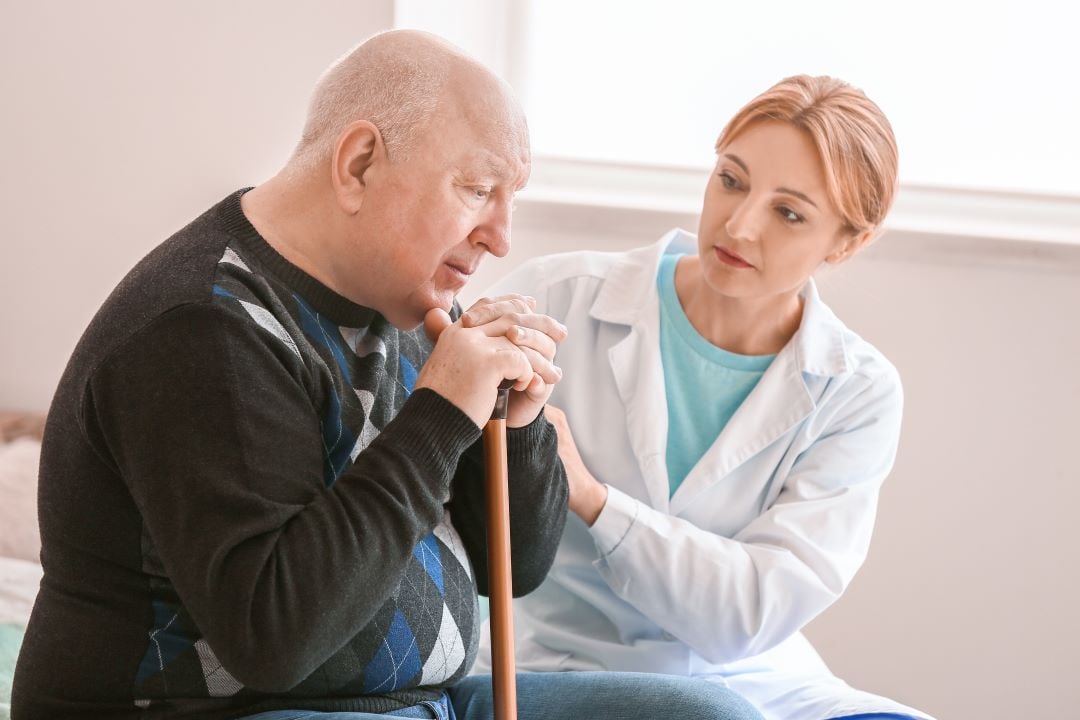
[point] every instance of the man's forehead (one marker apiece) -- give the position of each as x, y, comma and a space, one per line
492, 136
508, 166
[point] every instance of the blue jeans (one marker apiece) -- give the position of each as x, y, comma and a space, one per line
570, 696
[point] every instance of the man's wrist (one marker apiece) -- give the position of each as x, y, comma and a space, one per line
518, 420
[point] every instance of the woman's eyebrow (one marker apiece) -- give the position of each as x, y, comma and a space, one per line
738, 161
796, 193
787, 191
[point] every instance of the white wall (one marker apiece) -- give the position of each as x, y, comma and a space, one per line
122, 121
966, 605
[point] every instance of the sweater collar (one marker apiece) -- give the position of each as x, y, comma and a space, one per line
335, 307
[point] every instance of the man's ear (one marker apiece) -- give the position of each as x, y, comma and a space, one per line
359, 147
850, 245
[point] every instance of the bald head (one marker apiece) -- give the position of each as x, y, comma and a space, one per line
400, 81
404, 179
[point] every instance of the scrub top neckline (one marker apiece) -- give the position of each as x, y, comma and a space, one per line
674, 312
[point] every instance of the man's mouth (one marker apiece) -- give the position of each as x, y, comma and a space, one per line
461, 270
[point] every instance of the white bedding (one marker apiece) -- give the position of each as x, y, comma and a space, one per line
18, 499
19, 580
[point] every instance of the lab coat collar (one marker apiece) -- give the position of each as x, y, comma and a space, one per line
818, 345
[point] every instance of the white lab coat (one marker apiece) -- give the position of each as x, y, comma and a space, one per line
765, 532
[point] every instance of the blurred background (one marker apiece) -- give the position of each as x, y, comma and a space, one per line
123, 120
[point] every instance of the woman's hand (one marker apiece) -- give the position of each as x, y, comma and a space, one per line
587, 495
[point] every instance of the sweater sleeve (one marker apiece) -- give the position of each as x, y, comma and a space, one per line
538, 497
210, 424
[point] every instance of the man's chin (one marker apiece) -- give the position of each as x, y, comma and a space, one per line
443, 299
412, 313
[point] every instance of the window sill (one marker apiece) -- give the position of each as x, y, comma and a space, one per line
613, 199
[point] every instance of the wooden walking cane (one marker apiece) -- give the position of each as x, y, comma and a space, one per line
497, 501
503, 671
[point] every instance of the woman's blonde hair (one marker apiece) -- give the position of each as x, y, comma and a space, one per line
853, 138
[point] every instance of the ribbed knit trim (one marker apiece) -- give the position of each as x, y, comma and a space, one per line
524, 444
338, 309
364, 703
433, 430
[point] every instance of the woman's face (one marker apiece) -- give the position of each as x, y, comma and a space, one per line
767, 221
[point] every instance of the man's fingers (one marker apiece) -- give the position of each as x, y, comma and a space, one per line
508, 324
485, 310
525, 337
529, 300
513, 364
522, 364
542, 366
435, 321
537, 388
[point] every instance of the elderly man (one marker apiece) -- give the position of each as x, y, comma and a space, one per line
261, 484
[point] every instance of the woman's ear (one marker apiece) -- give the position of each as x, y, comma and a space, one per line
359, 148
849, 245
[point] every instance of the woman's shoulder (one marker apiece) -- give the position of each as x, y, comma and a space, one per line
867, 359
832, 348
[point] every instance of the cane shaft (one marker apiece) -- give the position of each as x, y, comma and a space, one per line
503, 671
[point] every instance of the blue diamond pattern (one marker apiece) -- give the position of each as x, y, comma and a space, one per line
397, 661
427, 552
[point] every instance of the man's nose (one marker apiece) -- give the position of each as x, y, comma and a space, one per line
493, 232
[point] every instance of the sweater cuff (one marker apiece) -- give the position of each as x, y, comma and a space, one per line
524, 445
615, 521
432, 430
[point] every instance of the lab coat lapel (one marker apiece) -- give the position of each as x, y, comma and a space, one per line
786, 394
639, 377
778, 403
629, 297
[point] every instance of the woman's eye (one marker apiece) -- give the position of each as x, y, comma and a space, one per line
789, 215
729, 181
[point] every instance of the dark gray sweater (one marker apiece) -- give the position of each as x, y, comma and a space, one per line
244, 506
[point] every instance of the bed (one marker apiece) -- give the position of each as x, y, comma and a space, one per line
20, 544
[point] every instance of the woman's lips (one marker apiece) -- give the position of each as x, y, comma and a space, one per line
730, 258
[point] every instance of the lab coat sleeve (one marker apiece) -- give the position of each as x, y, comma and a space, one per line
730, 598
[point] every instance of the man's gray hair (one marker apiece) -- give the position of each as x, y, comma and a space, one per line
394, 85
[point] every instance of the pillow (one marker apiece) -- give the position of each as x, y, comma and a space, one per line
20, 424
19, 537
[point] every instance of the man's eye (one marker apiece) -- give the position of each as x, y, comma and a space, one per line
481, 193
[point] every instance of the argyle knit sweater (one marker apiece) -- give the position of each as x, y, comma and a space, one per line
244, 505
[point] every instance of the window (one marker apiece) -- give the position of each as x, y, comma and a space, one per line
981, 95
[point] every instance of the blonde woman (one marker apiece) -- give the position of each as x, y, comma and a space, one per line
725, 435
